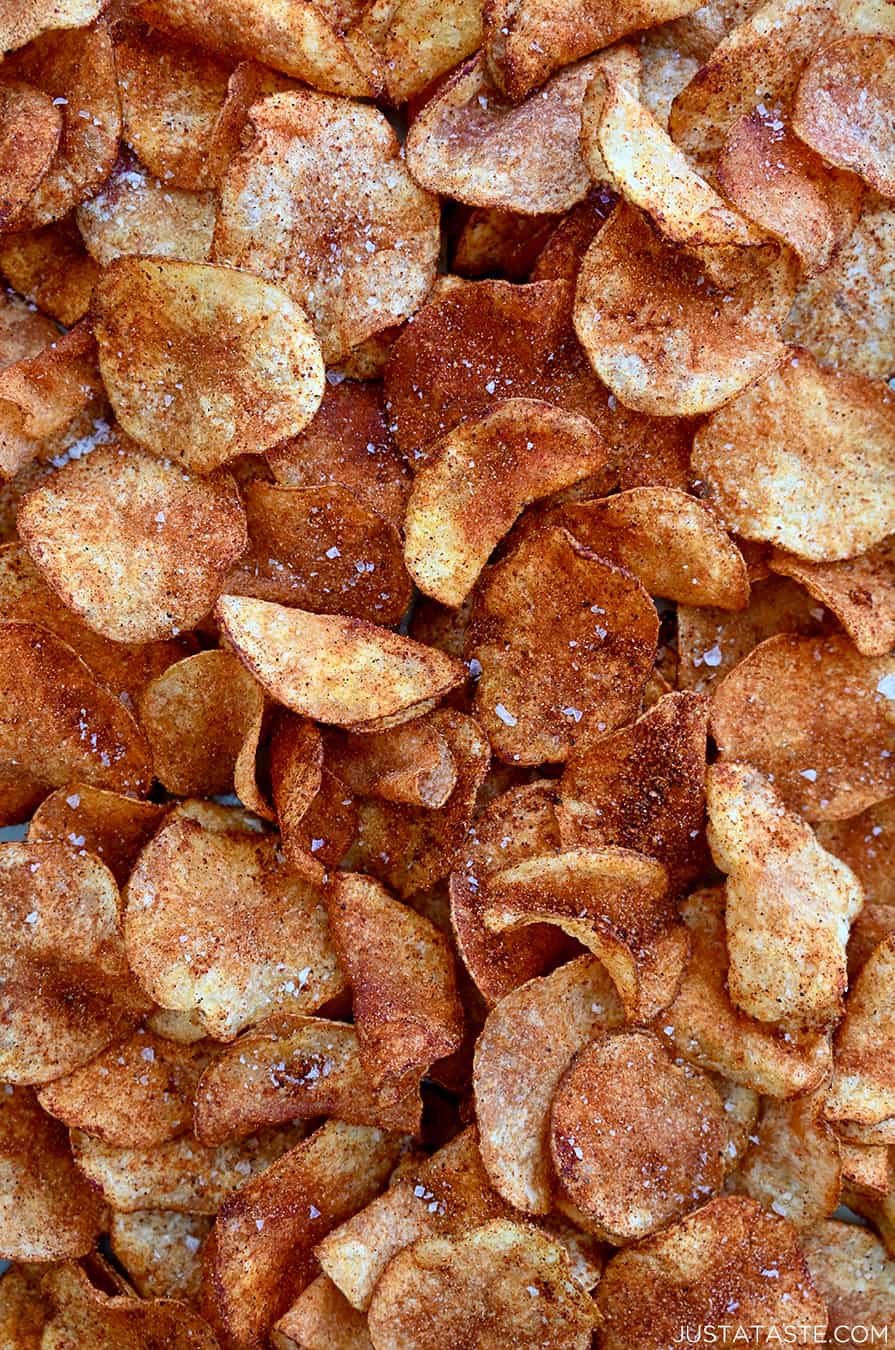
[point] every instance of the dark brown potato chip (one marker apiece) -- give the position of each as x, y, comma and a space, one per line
843, 108
113, 827
51, 268
23, 1307
859, 591
31, 127
160, 1251
494, 243
85, 1316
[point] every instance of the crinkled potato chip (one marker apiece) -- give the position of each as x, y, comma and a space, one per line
478, 479
793, 1166
108, 824
859, 591
336, 669
866, 842
67, 989
30, 128
843, 108
419, 40
410, 764
51, 268
321, 1318
203, 363
134, 213
133, 544
216, 923
160, 1251
48, 1211
357, 260
469, 143
863, 1088
855, 1278
48, 399
818, 716
84, 1315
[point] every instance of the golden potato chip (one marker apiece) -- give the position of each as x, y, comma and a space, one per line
468, 142
406, 1010
216, 923
196, 717
663, 340
23, 20
729, 1262
419, 40
132, 543
866, 842
260, 1255
23, 1307
410, 764
249, 82
816, 715
48, 399
863, 1088
347, 442
525, 1045
866, 1167
854, 1277
160, 1251
478, 479
843, 108
357, 261
307, 41
565, 642
75, 69
496, 243
708, 1030
134, 1094
51, 268
31, 127
789, 903
859, 591
171, 96
48, 1212
804, 461
642, 787
185, 1028
336, 669
134, 213
873, 924
84, 1315
321, 549
108, 824
321, 1318
664, 69
67, 990
480, 1286
259, 379
793, 1166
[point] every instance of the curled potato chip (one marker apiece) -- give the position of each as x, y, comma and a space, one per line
565, 642
522, 1052
260, 377
47, 1212
789, 903
859, 591
51, 268
134, 1094
289, 1069
419, 40
816, 715
478, 479
410, 764
108, 824
866, 843
491, 242
84, 1315
843, 108
335, 669
863, 1088
823, 488
48, 399
793, 1166
853, 1275
260, 1255
133, 544
374, 262
217, 924
160, 1251
480, 1284
636, 1139
134, 213
707, 1030
714, 1262
31, 127
665, 69
469, 143
406, 1010
321, 1318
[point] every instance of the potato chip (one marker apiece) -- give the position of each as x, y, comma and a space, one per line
321, 549
793, 1165
843, 108
336, 669
75, 69
51, 268
495, 243
185, 1028
260, 1255
21, 22
789, 903
478, 479
851, 1271
410, 764
321, 1318
134, 213
859, 591
249, 82
664, 69
708, 1030
470, 143
420, 40
216, 923
132, 543
134, 1094
815, 714
824, 488
729, 1261
108, 824
863, 1088
259, 379
565, 642
83, 1315
307, 41
866, 1167
48, 399
374, 262
48, 1212
866, 843
873, 924
347, 442
23, 1307
32, 126
479, 1285
630, 285
160, 1251
406, 1010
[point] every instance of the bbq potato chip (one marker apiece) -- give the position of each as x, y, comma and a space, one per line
134, 213
321, 1318
491, 242
804, 461
108, 824
216, 923
730, 1260
204, 363
859, 591
419, 40
23, 1308
84, 1315
866, 842
132, 543
31, 127
160, 1251
22, 20
843, 108
48, 399
565, 642
410, 764
817, 715
855, 1278
48, 1212
51, 268
336, 669
793, 1166
479, 1285
469, 143
865, 1167
67, 990
358, 260
863, 1088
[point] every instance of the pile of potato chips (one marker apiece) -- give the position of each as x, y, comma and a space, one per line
447, 690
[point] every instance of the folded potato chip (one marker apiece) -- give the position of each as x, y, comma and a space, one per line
863, 1088
51, 267
84, 1315
112, 826
793, 1166
204, 363
410, 764
321, 1318
859, 591
853, 1276
843, 108
160, 1251
31, 128
134, 213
